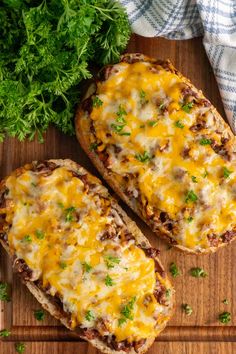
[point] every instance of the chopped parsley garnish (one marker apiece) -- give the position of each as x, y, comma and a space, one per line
62, 265
117, 128
111, 261
205, 141
168, 293
225, 301
174, 270
87, 267
161, 106
20, 347
93, 146
109, 281
191, 197
39, 234
121, 321
96, 102
194, 179
187, 309
39, 315
205, 174
187, 107
125, 133
189, 219
145, 157
178, 124
127, 309
27, 238
143, 97
61, 205
69, 213
226, 172
120, 114
89, 316
153, 123
198, 272
225, 317
4, 292
33, 184
5, 333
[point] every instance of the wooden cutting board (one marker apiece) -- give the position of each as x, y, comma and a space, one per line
200, 333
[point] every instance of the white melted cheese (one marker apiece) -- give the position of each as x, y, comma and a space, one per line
57, 228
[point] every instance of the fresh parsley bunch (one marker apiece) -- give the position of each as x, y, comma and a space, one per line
45, 49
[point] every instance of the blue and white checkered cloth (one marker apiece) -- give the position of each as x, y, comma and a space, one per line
184, 19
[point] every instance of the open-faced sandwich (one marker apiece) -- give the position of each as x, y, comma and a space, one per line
81, 256
164, 149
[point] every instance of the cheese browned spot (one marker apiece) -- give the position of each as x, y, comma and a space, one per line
168, 152
58, 227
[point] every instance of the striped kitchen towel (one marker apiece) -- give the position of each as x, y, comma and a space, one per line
184, 19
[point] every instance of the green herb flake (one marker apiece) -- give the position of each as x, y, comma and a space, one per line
205, 141
187, 309
120, 115
128, 308
168, 293
111, 261
205, 174
198, 272
89, 316
189, 219
93, 146
27, 239
226, 172
225, 317
39, 315
143, 97
225, 302
69, 214
39, 234
61, 205
174, 270
108, 281
33, 184
191, 197
20, 347
4, 292
194, 179
62, 265
96, 102
153, 123
125, 133
178, 124
121, 321
145, 157
87, 267
5, 333
161, 106
187, 107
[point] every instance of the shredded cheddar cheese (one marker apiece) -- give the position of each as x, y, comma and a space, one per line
161, 127
95, 277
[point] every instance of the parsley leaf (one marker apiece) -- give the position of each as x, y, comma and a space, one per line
121, 321
89, 316
198, 272
187, 309
109, 281
191, 197
174, 270
189, 219
20, 347
194, 179
205, 141
128, 308
46, 48
62, 265
93, 146
4, 292
225, 317
178, 124
143, 97
111, 261
39, 315
5, 333
226, 172
153, 123
39, 234
145, 157
187, 107
69, 214
27, 239
96, 102
87, 267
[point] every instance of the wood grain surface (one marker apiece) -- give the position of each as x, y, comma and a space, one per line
200, 333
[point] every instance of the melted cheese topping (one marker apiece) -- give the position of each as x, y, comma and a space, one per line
57, 225
194, 190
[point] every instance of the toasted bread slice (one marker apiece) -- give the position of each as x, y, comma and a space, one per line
164, 149
82, 258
